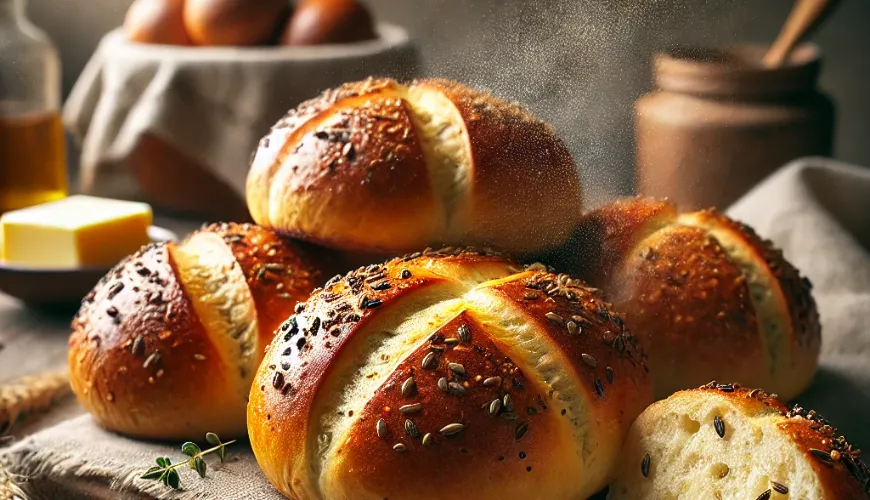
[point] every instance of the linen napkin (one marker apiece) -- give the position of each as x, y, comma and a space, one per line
212, 104
816, 210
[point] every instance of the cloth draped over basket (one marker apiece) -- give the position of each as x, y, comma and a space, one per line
210, 104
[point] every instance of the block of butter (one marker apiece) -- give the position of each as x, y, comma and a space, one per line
79, 231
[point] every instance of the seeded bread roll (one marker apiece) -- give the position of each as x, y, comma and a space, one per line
235, 22
167, 344
383, 166
707, 297
157, 22
727, 442
450, 374
317, 22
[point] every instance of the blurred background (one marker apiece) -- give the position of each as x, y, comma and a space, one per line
591, 58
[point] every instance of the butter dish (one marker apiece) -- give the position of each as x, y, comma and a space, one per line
59, 286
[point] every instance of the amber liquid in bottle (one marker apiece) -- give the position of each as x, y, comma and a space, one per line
32, 160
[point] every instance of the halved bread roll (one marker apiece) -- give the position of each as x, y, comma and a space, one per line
166, 345
451, 374
388, 167
722, 441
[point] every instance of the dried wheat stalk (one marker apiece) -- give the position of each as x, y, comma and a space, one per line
8, 489
30, 394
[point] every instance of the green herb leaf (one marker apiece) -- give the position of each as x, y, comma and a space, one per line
200, 466
190, 449
167, 473
152, 473
212, 438
173, 480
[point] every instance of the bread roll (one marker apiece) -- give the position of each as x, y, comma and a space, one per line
157, 21
166, 345
235, 22
707, 297
317, 22
382, 166
449, 374
727, 442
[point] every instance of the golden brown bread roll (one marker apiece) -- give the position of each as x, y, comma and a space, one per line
727, 442
234, 22
707, 297
166, 345
449, 374
157, 21
316, 22
382, 166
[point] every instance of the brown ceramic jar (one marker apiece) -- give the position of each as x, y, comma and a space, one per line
718, 122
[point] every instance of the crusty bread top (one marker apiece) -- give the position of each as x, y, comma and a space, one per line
703, 280
796, 289
327, 413
178, 329
378, 165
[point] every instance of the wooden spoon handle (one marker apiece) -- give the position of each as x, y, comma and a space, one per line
804, 17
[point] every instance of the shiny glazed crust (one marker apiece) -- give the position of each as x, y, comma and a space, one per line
378, 165
166, 344
759, 449
420, 376
707, 297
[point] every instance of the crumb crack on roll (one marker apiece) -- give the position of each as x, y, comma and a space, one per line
727, 441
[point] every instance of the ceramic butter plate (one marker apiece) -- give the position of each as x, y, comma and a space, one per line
39, 286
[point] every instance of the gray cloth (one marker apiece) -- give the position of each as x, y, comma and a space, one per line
816, 210
212, 104
77, 459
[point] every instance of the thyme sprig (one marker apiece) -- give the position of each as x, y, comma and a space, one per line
167, 472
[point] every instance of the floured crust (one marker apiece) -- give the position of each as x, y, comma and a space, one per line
703, 284
382, 166
166, 345
726, 441
468, 328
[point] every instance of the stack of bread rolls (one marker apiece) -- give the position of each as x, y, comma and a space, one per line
174, 334
458, 372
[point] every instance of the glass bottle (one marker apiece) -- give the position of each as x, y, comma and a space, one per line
32, 143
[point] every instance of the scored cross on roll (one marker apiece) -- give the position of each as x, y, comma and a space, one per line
447, 374
382, 166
